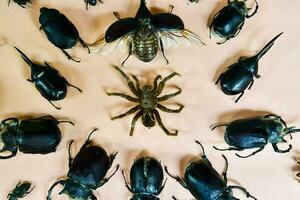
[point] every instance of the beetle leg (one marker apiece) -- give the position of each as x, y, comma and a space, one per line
168, 96
203, 155
132, 110
177, 178
112, 158
100, 1
276, 149
129, 98
228, 149
158, 118
13, 153
129, 82
129, 53
254, 12
255, 152
171, 9
93, 197
126, 182
239, 97
251, 84
162, 83
73, 86
86, 4
218, 125
84, 44
248, 195
68, 56
29, 80
87, 141
117, 15
163, 108
69, 153
162, 50
105, 180
58, 108
135, 118
225, 169
62, 182
163, 186
218, 80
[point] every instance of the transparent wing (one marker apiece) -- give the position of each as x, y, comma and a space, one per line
174, 39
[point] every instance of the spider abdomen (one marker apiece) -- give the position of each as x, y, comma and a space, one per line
145, 44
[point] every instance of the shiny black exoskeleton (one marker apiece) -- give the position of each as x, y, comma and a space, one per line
21, 3
146, 179
22, 189
229, 21
47, 80
91, 3
205, 183
240, 75
143, 32
35, 136
86, 172
59, 30
256, 132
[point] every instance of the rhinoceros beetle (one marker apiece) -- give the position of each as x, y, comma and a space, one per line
144, 32
240, 75
204, 182
22, 189
59, 30
35, 136
229, 21
21, 3
146, 179
256, 132
47, 80
86, 172
91, 3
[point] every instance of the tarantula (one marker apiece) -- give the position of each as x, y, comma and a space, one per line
148, 100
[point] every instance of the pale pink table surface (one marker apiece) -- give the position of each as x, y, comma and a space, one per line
268, 175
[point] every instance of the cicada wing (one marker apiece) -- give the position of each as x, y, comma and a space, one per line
180, 38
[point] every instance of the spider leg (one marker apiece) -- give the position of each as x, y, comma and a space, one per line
132, 110
158, 118
129, 82
129, 98
155, 82
162, 83
135, 118
163, 108
137, 83
168, 96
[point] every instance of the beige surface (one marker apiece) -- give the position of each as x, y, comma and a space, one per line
268, 176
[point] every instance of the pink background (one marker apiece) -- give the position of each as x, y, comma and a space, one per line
268, 175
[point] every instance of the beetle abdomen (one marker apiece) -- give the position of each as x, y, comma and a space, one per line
235, 80
145, 44
228, 22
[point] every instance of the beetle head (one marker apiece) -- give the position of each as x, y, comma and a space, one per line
8, 131
241, 6
47, 14
275, 130
148, 119
143, 12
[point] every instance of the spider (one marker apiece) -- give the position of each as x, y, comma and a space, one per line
147, 100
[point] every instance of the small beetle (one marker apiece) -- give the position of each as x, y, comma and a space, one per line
204, 182
144, 33
91, 2
59, 30
86, 172
22, 189
229, 21
146, 179
239, 76
21, 3
47, 80
36, 136
256, 132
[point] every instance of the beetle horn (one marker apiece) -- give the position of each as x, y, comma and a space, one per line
25, 58
143, 11
62, 182
267, 47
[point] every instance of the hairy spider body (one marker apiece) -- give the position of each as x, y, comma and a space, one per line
148, 101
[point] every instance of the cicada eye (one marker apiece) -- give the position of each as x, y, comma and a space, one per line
148, 119
93, 2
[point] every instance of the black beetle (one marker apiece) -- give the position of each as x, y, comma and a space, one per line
47, 80
21, 3
145, 31
22, 189
229, 21
86, 171
36, 136
256, 132
146, 179
239, 76
91, 2
204, 182
59, 30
